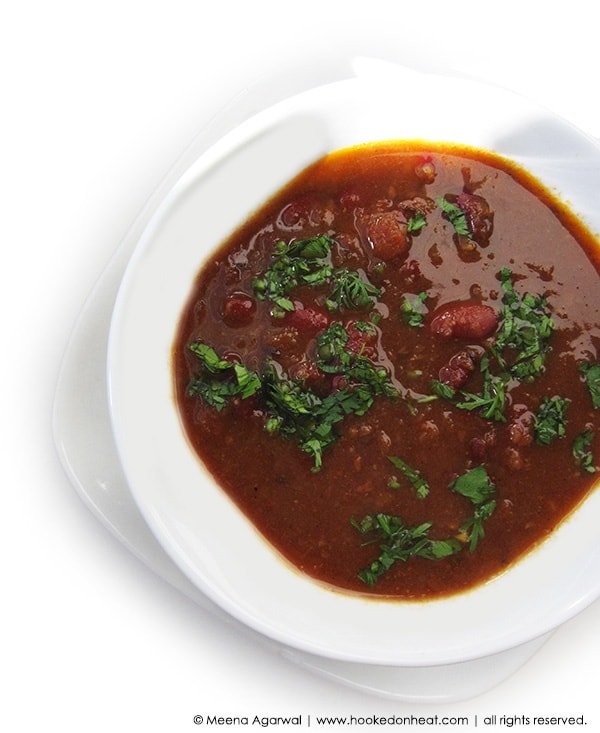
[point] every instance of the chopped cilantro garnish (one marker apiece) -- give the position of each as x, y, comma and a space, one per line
489, 404
359, 372
550, 420
473, 527
413, 309
301, 415
525, 328
455, 215
298, 413
295, 411
416, 222
414, 477
335, 358
476, 486
582, 452
211, 361
351, 290
399, 543
591, 373
440, 389
331, 348
306, 262
220, 380
301, 262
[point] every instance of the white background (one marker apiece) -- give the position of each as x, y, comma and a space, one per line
98, 101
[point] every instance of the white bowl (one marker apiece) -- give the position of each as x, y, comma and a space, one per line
200, 528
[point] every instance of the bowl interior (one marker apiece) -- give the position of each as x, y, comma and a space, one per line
204, 533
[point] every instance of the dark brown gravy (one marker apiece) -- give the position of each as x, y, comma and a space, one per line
363, 198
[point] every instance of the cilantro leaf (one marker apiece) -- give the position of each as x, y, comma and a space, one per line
413, 309
211, 361
475, 484
351, 290
492, 400
581, 451
473, 527
550, 420
443, 390
414, 477
455, 215
416, 222
591, 374
220, 380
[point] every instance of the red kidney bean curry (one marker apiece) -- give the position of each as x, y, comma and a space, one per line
391, 368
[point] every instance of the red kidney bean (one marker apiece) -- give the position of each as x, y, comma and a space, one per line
465, 320
480, 446
387, 234
307, 320
459, 368
238, 309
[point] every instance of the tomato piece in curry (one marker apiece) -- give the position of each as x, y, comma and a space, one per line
391, 367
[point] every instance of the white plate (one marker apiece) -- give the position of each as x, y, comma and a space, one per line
198, 526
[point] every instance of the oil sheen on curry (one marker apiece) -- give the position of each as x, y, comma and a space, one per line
391, 368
